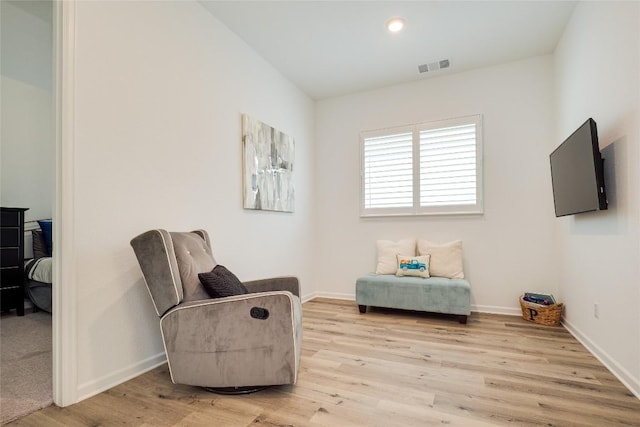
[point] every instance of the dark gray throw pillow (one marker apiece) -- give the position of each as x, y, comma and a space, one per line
220, 283
39, 244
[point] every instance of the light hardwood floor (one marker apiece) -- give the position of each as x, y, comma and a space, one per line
389, 368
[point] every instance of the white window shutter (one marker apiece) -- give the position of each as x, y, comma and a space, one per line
388, 171
448, 166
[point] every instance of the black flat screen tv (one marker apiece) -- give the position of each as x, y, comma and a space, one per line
577, 173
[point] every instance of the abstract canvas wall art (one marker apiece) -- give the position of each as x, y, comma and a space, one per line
268, 167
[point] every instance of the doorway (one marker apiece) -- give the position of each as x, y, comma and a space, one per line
28, 176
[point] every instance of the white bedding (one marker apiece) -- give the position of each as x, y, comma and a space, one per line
41, 270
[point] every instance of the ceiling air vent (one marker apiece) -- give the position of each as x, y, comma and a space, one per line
432, 66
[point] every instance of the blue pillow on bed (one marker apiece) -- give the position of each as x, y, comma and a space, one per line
46, 226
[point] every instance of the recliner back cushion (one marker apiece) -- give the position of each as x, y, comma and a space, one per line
194, 256
155, 254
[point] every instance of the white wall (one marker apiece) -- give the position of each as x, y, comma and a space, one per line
597, 75
27, 149
508, 250
160, 89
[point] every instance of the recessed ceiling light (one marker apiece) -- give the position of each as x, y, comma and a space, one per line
395, 25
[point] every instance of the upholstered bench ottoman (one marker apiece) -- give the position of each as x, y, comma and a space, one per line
433, 294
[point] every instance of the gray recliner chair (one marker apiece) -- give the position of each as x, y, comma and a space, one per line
233, 343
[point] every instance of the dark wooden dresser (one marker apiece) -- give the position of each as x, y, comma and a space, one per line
12, 259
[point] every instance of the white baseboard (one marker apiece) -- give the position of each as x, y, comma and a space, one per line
93, 387
625, 377
332, 295
494, 309
308, 297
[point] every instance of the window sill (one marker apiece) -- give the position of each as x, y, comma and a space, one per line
419, 214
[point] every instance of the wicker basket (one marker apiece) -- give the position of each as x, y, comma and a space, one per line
548, 315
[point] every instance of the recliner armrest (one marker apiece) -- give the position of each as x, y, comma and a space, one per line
243, 340
286, 283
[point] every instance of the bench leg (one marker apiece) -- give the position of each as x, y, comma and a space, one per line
462, 319
362, 308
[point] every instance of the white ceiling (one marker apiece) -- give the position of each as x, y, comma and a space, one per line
330, 48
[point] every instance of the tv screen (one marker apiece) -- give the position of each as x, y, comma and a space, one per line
577, 173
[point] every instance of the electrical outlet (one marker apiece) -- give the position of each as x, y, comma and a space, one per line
596, 311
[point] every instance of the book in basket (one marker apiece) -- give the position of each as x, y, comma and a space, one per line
537, 298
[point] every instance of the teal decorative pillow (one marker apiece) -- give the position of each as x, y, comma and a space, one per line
413, 266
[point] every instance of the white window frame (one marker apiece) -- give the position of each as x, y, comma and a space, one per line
416, 209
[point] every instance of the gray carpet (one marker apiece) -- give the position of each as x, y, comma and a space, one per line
25, 364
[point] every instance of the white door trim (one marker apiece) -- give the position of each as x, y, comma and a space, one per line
65, 384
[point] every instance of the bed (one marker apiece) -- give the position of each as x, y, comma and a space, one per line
38, 272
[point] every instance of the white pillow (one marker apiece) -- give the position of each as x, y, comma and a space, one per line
446, 258
387, 251
413, 266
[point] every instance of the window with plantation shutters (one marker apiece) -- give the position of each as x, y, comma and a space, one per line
430, 168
